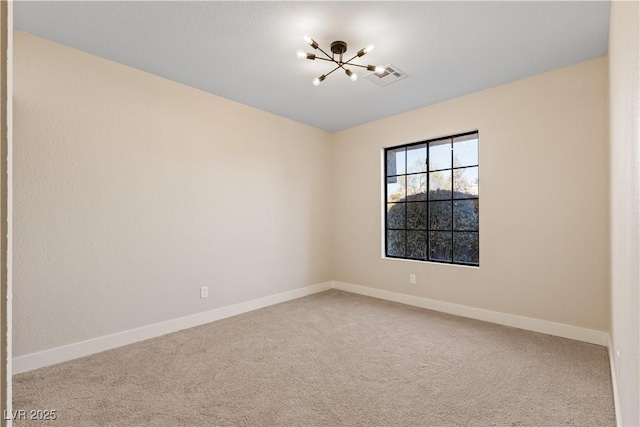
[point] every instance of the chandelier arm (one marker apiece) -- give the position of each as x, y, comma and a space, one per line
341, 65
326, 75
327, 55
338, 64
325, 59
347, 62
356, 65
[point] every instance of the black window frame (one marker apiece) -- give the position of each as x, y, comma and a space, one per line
428, 230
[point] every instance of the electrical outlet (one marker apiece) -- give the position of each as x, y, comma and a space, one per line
412, 279
204, 291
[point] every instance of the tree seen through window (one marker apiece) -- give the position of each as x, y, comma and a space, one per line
432, 198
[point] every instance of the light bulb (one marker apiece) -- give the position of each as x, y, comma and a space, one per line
311, 42
353, 76
318, 80
301, 54
380, 69
365, 50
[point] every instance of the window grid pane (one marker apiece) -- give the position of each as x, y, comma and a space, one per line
432, 200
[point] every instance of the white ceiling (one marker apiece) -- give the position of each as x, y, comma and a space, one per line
245, 51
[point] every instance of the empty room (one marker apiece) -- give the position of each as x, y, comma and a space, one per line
320, 213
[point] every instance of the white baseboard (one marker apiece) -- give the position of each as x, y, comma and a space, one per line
551, 328
614, 380
65, 353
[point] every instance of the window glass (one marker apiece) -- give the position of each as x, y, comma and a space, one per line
465, 183
465, 151
440, 185
416, 244
396, 160
396, 240
417, 158
465, 248
417, 215
432, 200
396, 188
396, 215
465, 215
440, 154
440, 245
417, 187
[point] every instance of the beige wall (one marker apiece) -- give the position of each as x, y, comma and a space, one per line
132, 191
624, 75
544, 246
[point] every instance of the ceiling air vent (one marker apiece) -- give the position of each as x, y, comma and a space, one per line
391, 75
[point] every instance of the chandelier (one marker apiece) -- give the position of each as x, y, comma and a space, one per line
338, 49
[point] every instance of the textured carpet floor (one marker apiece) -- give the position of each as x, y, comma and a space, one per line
333, 358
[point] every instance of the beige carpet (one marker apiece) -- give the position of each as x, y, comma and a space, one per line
331, 359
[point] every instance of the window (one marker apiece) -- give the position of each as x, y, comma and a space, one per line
431, 196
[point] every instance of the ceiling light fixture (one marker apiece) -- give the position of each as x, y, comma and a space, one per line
338, 48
